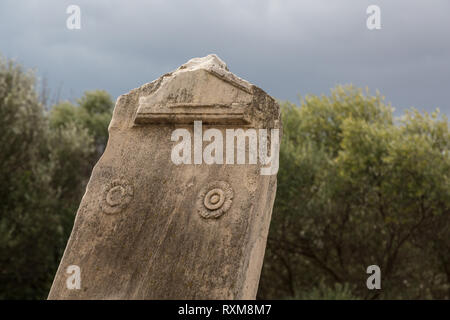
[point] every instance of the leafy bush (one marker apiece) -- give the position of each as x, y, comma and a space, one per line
357, 187
45, 161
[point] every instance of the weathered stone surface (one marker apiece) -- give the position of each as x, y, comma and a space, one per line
150, 229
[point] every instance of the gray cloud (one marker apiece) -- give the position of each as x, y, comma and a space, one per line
285, 47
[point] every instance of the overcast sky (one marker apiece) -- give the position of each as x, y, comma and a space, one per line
285, 47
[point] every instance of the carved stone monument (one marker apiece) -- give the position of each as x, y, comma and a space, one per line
179, 204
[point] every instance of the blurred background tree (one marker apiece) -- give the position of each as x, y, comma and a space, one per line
92, 112
45, 162
356, 187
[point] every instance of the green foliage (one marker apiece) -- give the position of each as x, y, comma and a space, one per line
92, 112
357, 188
44, 165
28, 225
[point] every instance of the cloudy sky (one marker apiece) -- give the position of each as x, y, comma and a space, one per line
285, 47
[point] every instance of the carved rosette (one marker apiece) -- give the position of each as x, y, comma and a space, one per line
116, 196
214, 199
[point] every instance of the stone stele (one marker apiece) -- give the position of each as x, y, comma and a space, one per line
148, 228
